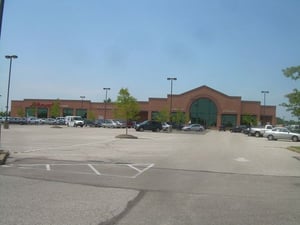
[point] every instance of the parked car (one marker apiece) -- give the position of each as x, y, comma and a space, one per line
166, 126
60, 120
149, 125
16, 120
33, 120
259, 131
121, 124
110, 124
131, 124
49, 121
193, 127
238, 129
222, 128
246, 131
89, 123
281, 133
98, 123
294, 128
74, 121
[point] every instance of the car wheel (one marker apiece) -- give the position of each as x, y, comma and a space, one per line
141, 129
295, 138
270, 137
157, 130
257, 134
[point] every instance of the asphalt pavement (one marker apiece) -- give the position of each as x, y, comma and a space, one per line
88, 176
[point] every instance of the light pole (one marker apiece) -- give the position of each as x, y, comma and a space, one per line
106, 90
264, 92
82, 97
171, 79
10, 57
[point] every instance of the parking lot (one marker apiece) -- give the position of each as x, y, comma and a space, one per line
88, 176
217, 151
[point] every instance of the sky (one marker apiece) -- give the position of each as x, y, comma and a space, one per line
72, 48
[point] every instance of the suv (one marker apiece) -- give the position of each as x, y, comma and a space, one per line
74, 121
149, 125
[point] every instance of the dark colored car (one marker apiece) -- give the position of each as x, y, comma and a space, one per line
98, 123
222, 128
238, 129
149, 125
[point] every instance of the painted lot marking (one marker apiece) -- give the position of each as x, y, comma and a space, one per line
93, 168
241, 159
103, 169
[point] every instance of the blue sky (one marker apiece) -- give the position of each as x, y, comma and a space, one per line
70, 48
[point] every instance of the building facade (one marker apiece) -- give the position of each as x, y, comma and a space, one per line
202, 105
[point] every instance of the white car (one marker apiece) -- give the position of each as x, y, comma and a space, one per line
166, 126
281, 133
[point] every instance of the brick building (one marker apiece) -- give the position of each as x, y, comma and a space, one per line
202, 105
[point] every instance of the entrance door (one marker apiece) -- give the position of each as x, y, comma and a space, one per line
204, 112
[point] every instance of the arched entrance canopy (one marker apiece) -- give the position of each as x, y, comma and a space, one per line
204, 112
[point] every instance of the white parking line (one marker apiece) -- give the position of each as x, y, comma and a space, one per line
140, 171
241, 159
48, 167
139, 168
94, 169
131, 166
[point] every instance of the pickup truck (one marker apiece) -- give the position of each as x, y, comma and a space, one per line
259, 131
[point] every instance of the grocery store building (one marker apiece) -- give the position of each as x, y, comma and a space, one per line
202, 105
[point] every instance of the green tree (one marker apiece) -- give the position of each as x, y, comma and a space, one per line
249, 120
91, 115
162, 115
127, 107
55, 109
179, 118
107, 101
21, 112
293, 104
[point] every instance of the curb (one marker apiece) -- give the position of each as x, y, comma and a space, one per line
3, 156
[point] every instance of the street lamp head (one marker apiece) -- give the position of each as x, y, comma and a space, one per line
106, 88
171, 78
265, 92
11, 56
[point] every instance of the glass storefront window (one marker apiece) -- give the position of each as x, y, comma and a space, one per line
154, 115
42, 112
30, 111
67, 112
81, 112
229, 120
204, 112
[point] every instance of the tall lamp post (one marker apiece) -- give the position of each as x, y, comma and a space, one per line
82, 98
106, 90
264, 92
10, 57
171, 79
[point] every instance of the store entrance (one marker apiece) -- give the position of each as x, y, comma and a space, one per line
204, 111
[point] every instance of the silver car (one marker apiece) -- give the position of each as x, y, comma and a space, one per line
281, 133
193, 127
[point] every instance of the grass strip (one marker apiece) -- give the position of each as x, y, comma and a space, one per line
294, 149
